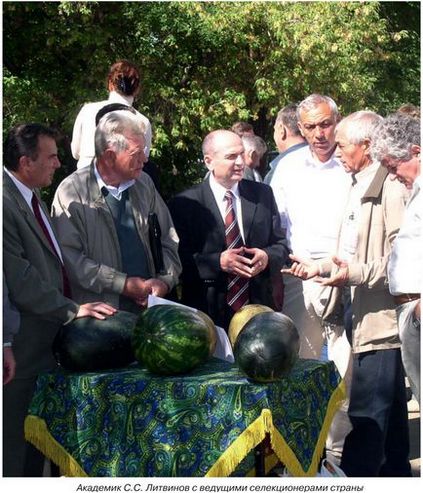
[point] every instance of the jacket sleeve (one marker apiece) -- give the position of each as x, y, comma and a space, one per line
373, 274
170, 242
29, 289
69, 217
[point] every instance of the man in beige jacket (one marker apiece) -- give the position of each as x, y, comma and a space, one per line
102, 217
378, 443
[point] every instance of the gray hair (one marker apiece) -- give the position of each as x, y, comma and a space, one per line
359, 126
254, 143
395, 136
310, 102
287, 116
113, 128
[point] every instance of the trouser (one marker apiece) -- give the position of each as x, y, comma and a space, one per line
20, 458
410, 345
303, 303
378, 444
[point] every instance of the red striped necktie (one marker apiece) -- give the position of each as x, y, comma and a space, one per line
37, 213
237, 295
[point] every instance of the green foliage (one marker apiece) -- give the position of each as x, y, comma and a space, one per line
206, 65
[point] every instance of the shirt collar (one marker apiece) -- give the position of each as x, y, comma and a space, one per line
115, 191
115, 97
332, 162
23, 189
219, 190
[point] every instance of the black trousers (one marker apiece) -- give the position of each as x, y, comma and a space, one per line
378, 444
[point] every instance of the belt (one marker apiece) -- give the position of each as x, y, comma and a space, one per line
405, 298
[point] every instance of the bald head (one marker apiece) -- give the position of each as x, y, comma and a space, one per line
223, 153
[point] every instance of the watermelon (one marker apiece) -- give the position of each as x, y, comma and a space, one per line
267, 347
241, 317
90, 344
170, 339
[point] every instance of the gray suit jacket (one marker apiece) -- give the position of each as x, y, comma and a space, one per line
33, 275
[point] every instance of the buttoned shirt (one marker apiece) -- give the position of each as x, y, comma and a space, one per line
406, 260
115, 191
349, 230
27, 194
311, 198
219, 192
83, 146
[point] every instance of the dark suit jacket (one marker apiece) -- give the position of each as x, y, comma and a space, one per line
34, 278
201, 231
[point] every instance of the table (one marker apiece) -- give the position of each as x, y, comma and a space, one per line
130, 423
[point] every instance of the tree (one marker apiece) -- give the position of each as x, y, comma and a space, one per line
206, 64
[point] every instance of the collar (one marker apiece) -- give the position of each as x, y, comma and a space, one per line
115, 97
23, 189
115, 191
376, 186
366, 172
332, 162
219, 190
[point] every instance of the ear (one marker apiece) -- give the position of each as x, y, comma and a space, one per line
415, 149
208, 161
24, 162
109, 156
366, 146
284, 132
300, 126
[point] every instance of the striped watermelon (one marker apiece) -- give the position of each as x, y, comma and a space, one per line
171, 339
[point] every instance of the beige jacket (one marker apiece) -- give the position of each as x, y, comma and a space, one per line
89, 240
374, 320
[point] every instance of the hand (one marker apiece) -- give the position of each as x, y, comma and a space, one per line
96, 310
340, 278
158, 288
259, 260
304, 269
9, 365
137, 289
234, 262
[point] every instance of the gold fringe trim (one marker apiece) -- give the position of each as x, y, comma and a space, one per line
256, 432
37, 433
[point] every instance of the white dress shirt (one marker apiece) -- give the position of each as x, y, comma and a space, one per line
311, 197
115, 191
27, 196
406, 260
349, 230
219, 191
82, 145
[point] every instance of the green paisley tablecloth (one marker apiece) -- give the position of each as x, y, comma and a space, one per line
130, 423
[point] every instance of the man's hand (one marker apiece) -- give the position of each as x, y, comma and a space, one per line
417, 310
302, 268
259, 260
137, 289
96, 310
234, 262
9, 365
158, 288
340, 278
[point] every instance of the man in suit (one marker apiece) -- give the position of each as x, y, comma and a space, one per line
37, 282
202, 216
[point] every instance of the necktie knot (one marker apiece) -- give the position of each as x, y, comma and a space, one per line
229, 196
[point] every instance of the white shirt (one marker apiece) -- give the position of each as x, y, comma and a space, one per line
406, 260
27, 196
115, 191
82, 145
219, 191
349, 230
311, 198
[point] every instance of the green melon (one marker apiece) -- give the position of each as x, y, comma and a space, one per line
90, 344
170, 339
267, 347
241, 317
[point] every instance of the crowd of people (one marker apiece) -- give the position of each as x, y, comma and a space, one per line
330, 236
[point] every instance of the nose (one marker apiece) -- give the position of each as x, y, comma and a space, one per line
239, 160
320, 132
57, 164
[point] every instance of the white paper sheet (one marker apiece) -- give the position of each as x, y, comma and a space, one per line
223, 346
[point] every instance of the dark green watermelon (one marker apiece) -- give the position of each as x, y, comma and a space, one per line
89, 344
170, 339
267, 347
